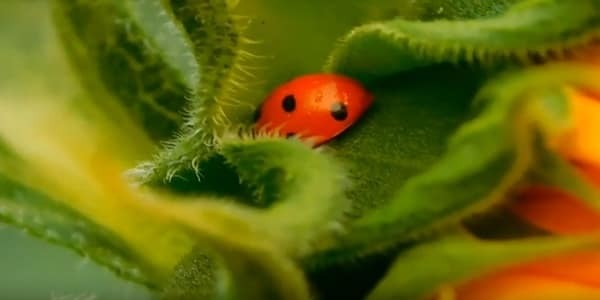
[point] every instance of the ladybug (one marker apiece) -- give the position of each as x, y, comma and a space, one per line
315, 106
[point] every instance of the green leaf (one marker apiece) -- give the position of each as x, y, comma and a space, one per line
244, 50
484, 159
214, 38
408, 180
300, 181
158, 229
195, 277
22, 207
157, 232
426, 10
453, 259
213, 35
159, 25
34, 69
25, 206
404, 132
251, 264
525, 33
553, 170
239, 276
26, 33
286, 175
119, 66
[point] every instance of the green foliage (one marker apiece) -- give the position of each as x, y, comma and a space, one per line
252, 263
42, 217
554, 170
464, 258
242, 55
402, 135
286, 172
289, 173
213, 37
114, 58
461, 117
426, 10
385, 48
502, 139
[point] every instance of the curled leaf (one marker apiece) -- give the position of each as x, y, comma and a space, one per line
485, 158
243, 54
300, 181
527, 32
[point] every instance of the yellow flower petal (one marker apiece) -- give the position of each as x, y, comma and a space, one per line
557, 211
582, 143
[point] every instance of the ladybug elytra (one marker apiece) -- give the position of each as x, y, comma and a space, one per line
316, 106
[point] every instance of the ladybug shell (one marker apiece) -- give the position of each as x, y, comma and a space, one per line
316, 106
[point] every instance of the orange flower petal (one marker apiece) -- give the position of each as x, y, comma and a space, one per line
552, 209
556, 211
574, 276
589, 54
525, 287
582, 143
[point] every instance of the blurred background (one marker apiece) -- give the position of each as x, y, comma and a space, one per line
32, 269
31, 63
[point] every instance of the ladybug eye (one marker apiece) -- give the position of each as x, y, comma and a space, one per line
339, 111
289, 103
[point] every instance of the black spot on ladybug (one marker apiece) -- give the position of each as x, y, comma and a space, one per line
290, 135
257, 113
339, 111
289, 103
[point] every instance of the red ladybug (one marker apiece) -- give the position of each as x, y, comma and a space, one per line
315, 106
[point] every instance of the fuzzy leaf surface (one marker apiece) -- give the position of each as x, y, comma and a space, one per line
244, 50
527, 32
485, 157
290, 173
156, 229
